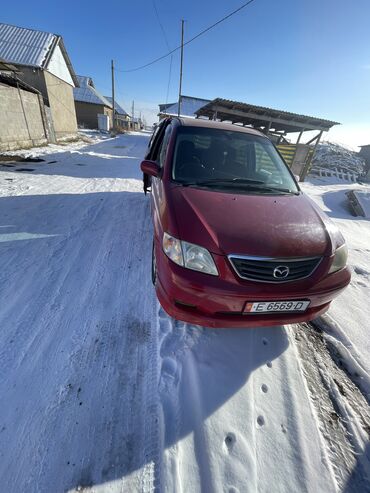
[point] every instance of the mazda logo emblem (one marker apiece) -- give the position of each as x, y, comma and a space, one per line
281, 272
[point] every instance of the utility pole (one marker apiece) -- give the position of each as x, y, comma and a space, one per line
113, 101
133, 113
181, 61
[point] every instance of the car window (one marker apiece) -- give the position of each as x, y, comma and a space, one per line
164, 146
203, 154
266, 162
156, 141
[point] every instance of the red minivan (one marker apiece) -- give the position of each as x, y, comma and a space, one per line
236, 242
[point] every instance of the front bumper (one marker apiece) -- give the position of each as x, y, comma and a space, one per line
212, 301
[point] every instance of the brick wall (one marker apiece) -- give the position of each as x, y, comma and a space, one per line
21, 123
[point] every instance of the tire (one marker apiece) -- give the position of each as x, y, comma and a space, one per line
154, 266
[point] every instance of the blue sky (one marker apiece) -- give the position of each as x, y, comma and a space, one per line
306, 56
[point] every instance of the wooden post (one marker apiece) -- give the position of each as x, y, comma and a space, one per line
267, 128
308, 163
296, 147
318, 136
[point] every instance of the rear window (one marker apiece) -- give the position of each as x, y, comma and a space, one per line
213, 154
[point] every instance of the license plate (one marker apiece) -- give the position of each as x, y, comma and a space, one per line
276, 306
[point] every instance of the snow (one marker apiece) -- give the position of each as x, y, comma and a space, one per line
350, 312
101, 391
331, 156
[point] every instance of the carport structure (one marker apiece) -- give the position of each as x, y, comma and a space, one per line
275, 123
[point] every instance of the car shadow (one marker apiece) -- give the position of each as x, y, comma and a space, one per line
78, 321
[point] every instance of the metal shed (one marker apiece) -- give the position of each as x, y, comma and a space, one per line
188, 107
275, 123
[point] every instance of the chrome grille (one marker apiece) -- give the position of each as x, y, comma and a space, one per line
275, 270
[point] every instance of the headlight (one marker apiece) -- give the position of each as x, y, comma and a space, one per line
340, 259
198, 258
191, 256
172, 248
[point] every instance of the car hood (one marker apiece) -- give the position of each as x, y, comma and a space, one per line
260, 225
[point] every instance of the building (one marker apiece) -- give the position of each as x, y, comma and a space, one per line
22, 114
136, 123
188, 107
122, 117
90, 103
43, 63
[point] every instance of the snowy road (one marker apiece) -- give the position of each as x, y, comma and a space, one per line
100, 390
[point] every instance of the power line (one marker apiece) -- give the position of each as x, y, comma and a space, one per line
161, 25
168, 47
191, 39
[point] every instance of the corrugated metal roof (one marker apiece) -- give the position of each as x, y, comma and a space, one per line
25, 46
259, 115
117, 107
189, 106
163, 107
87, 93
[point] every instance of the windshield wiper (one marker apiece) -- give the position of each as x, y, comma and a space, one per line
278, 189
223, 181
238, 180
250, 184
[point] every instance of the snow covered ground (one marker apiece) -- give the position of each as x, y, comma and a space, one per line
349, 315
102, 392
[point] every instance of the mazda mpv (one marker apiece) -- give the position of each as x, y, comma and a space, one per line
236, 242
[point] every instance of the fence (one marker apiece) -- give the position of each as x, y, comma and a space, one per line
21, 119
338, 173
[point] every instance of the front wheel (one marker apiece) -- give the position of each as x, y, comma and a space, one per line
154, 266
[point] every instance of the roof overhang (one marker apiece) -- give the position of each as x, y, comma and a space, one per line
13, 81
261, 117
8, 67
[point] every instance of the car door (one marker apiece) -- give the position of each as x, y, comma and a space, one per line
152, 151
157, 184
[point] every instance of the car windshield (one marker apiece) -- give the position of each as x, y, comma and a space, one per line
217, 158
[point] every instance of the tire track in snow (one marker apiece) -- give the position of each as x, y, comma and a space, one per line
342, 410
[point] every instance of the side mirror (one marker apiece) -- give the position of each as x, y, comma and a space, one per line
150, 167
